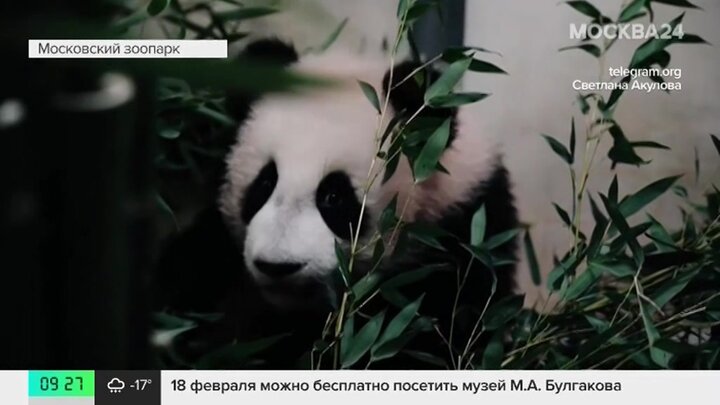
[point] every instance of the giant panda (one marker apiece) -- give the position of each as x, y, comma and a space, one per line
295, 185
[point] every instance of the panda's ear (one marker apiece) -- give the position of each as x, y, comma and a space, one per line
272, 51
407, 91
267, 51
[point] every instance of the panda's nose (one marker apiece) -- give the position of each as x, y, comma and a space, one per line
277, 270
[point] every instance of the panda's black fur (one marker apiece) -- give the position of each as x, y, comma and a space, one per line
200, 269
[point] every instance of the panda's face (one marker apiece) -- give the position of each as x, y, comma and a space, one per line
296, 185
297, 179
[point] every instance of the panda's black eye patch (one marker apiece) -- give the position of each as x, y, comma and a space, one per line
259, 191
338, 204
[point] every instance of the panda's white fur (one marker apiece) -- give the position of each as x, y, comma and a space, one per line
313, 133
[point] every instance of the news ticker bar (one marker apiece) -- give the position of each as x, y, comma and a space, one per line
123, 387
126, 48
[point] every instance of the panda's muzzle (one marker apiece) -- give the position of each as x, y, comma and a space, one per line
277, 270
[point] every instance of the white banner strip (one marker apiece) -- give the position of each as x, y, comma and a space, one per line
13, 387
127, 48
438, 387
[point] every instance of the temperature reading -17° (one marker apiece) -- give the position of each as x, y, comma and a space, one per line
141, 384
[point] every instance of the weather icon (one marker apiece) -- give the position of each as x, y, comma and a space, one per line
116, 385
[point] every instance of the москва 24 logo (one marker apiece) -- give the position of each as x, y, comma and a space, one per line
625, 31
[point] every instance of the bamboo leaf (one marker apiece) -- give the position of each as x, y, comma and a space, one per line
456, 99
343, 263
622, 150
366, 286
563, 215
363, 341
716, 142
677, 3
572, 140
429, 156
410, 277
493, 354
532, 259
237, 354
593, 50
666, 292
371, 94
395, 329
156, 7
477, 65
646, 51
500, 239
502, 311
621, 224
559, 149
585, 8
635, 202
348, 332
582, 282
633, 10
448, 80
659, 356
477, 227
332, 37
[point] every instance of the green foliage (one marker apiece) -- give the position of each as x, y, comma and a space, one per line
476, 65
634, 294
325, 45
532, 259
716, 142
587, 9
156, 7
477, 227
361, 343
447, 81
394, 337
429, 156
237, 354
559, 149
371, 95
